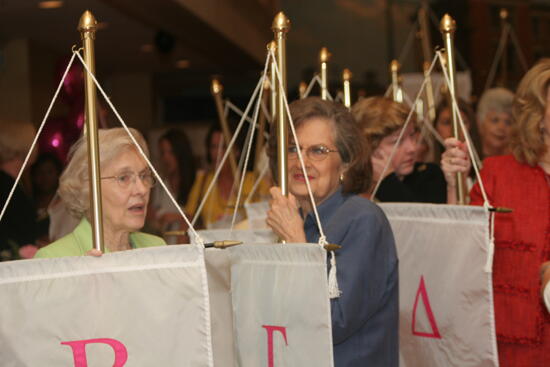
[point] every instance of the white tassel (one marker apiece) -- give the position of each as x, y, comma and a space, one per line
333, 290
491, 249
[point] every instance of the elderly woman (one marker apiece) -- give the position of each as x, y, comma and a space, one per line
382, 120
365, 316
126, 181
494, 119
520, 181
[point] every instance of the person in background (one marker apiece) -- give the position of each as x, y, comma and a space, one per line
519, 181
45, 174
365, 315
179, 171
494, 119
18, 227
381, 120
126, 182
219, 205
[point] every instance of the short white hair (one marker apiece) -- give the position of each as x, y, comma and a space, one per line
497, 100
73, 183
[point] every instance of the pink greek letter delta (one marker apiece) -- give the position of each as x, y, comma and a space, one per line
270, 330
79, 351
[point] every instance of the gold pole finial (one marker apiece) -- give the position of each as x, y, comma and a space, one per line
346, 76
395, 66
87, 22
280, 23
87, 27
281, 26
448, 24
503, 14
324, 57
302, 88
217, 87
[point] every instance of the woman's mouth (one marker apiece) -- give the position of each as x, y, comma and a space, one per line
301, 178
137, 209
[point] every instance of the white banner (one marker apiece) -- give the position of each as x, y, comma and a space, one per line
281, 305
146, 307
446, 304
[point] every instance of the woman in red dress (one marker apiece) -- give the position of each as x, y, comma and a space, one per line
520, 181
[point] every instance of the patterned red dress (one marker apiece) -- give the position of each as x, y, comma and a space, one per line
522, 244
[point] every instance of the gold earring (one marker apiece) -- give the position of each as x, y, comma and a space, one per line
341, 177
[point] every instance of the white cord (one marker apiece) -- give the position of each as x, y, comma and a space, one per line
315, 79
498, 55
226, 154
469, 144
249, 148
237, 110
29, 153
199, 240
261, 176
409, 116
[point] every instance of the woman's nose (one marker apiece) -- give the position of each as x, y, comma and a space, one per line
139, 187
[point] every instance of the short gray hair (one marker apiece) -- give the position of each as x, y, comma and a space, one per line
73, 183
496, 100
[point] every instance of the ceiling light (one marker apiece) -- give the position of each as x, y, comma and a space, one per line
50, 4
182, 64
147, 48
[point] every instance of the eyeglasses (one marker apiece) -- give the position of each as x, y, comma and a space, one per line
125, 179
317, 152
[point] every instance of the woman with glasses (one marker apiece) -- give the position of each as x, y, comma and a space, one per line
381, 121
126, 182
365, 315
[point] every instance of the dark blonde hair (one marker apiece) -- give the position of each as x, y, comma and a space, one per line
73, 183
526, 142
379, 117
351, 148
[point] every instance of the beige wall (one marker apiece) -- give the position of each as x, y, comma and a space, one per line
15, 82
132, 95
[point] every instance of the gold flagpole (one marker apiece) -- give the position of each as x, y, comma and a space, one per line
280, 27
448, 28
428, 54
217, 90
397, 93
87, 27
346, 76
324, 57
504, 64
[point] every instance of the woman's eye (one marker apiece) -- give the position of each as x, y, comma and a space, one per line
292, 149
124, 178
320, 150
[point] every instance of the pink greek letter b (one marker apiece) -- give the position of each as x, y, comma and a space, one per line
79, 351
270, 330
